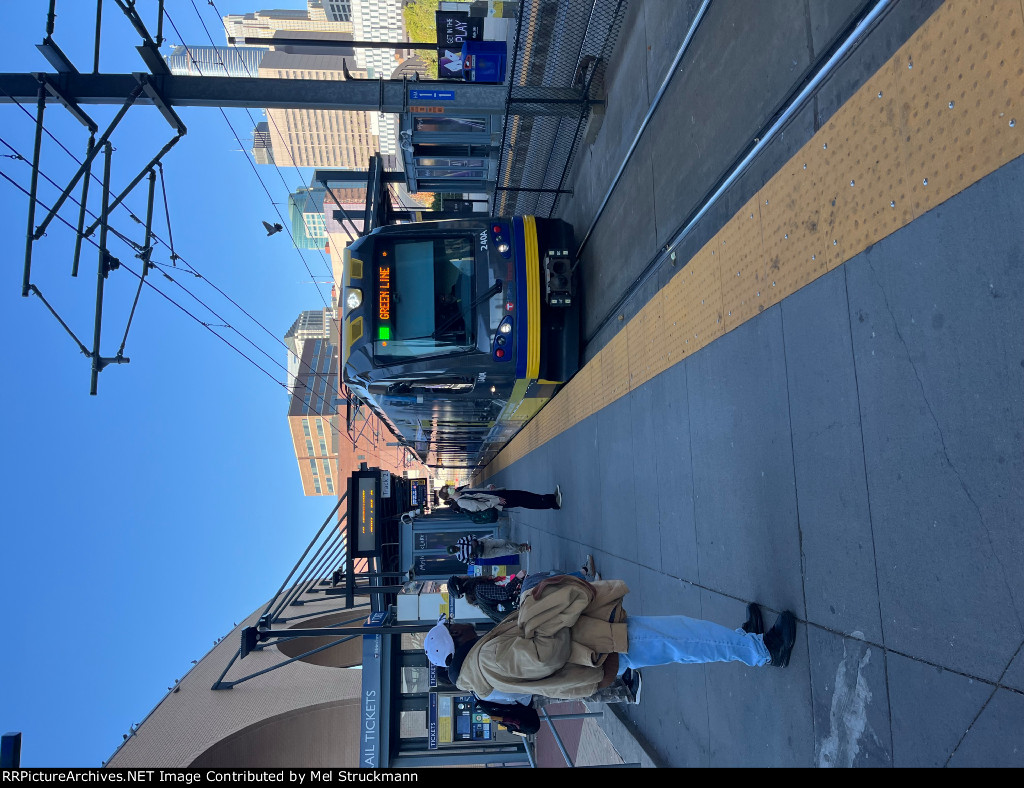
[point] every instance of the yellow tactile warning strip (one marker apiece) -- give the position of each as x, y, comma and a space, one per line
943, 112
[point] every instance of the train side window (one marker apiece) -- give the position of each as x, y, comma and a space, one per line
460, 385
453, 383
450, 124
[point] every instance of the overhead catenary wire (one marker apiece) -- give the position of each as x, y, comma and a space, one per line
252, 120
128, 268
139, 247
270, 118
16, 155
252, 165
317, 375
150, 284
63, 147
175, 259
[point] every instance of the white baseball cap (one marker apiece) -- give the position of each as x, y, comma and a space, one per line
439, 644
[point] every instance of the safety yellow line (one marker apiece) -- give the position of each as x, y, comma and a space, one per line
946, 110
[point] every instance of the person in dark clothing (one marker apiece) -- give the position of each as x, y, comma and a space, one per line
475, 500
494, 599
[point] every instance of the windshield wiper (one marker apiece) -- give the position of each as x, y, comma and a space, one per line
493, 291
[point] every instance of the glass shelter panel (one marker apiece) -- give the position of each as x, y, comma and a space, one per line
451, 125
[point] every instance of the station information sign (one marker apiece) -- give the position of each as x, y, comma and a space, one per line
366, 513
418, 492
384, 301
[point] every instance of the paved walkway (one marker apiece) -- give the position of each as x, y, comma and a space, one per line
853, 453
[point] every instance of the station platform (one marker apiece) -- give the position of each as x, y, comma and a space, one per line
819, 404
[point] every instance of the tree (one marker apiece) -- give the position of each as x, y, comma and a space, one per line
421, 28
419, 20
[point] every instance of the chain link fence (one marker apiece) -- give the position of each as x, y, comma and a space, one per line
558, 44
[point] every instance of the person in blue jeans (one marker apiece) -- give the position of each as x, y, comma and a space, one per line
572, 637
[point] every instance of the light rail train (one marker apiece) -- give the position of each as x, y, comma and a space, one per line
457, 332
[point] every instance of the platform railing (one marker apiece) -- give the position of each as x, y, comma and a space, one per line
556, 44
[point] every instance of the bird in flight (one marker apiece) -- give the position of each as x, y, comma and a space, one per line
273, 228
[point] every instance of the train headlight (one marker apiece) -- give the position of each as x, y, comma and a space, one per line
353, 298
499, 234
503, 340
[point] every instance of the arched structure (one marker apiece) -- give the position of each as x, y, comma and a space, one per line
348, 653
303, 713
308, 736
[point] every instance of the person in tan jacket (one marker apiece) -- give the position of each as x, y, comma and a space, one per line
572, 637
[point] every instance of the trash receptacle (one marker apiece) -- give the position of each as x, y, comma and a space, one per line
483, 61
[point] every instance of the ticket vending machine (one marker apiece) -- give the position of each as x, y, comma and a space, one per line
455, 719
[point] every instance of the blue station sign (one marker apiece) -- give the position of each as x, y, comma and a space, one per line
432, 95
373, 707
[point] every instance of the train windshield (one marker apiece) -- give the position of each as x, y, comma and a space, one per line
425, 297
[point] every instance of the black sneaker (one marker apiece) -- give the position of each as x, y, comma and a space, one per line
755, 621
780, 638
634, 683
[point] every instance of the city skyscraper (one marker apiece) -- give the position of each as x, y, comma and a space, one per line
312, 412
310, 324
207, 61
338, 10
324, 138
341, 139
265, 24
379, 20
316, 220
306, 210
262, 147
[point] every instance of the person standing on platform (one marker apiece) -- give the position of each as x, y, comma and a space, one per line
572, 637
471, 548
470, 500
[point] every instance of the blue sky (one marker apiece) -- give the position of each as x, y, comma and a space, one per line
142, 522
